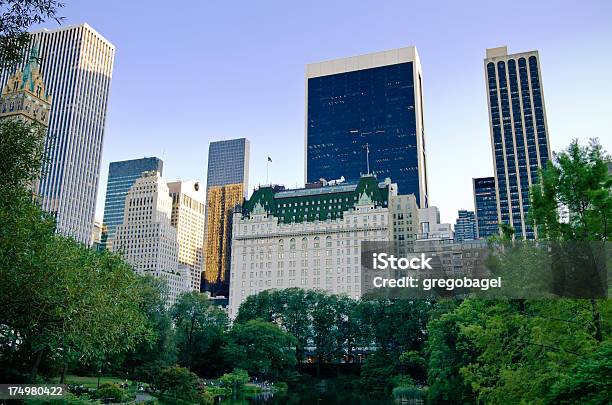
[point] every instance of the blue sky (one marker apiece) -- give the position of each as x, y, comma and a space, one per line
190, 72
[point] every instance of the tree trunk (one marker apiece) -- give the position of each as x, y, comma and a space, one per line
34, 370
63, 373
596, 320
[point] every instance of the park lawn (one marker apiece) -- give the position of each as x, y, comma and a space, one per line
92, 382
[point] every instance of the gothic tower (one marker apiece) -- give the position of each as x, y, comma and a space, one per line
24, 96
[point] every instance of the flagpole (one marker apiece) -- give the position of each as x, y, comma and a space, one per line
368, 157
267, 170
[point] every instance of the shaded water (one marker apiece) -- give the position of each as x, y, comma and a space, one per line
313, 395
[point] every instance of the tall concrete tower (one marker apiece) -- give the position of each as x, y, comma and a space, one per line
76, 65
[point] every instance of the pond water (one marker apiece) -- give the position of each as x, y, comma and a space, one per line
313, 395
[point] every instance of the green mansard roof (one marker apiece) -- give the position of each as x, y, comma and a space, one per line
311, 204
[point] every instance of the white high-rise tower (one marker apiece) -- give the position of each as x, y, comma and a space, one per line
76, 64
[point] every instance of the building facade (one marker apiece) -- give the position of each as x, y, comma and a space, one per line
226, 187
188, 219
121, 177
308, 238
485, 207
99, 230
430, 227
519, 132
364, 114
76, 64
24, 96
465, 226
146, 239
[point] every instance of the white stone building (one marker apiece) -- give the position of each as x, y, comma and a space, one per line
308, 238
430, 226
146, 239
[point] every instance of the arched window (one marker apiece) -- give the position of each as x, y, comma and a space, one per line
328, 242
292, 244
317, 242
304, 243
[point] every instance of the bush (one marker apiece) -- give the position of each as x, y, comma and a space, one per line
235, 380
69, 399
281, 387
402, 380
110, 393
206, 398
178, 382
377, 372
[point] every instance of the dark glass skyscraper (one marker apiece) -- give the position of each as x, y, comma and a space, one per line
121, 177
485, 205
519, 133
368, 106
228, 163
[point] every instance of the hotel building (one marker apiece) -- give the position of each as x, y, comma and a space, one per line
308, 238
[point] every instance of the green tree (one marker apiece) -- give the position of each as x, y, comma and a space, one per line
160, 350
324, 332
178, 382
377, 372
577, 179
60, 300
448, 350
588, 382
235, 380
200, 327
261, 348
16, 18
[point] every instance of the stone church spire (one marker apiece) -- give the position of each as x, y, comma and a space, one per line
24, 96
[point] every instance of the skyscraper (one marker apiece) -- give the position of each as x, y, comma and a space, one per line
121, 176
365, 114
76, 65
519, 133
188, 219
227, 185
146, 239
465, 226
485, 207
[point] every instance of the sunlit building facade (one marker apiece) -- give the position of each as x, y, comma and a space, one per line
227, 185
188, 220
